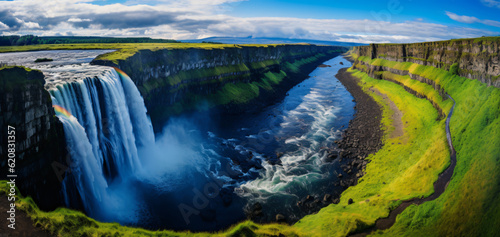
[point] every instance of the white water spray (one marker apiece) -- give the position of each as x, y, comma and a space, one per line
104, 135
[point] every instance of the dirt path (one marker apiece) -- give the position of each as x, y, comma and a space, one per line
397, 116
24, 224
363, 136
439, 187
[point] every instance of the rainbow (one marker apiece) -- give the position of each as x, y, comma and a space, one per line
61, 111
121, 73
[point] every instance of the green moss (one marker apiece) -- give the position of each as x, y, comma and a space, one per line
295, 66
18, 77
233, 92
469, 206
39, 60
454, 69
420, 154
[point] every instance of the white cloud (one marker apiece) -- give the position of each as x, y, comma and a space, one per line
471, 19
491, 3
201, 18
31, 25
463, 19
3, 26
78, 20
491, 23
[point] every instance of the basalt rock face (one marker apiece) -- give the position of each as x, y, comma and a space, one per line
476, 58
39, 136
171, 78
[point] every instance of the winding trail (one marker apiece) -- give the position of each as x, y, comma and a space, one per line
397, 116
439, 187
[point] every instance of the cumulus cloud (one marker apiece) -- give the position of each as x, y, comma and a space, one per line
10, 20
471, 19
200, 18
31, 25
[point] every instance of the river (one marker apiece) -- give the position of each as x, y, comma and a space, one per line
199, 176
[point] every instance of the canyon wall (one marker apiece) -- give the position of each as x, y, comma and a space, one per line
475, 58
171, 82
39, 136
175, 81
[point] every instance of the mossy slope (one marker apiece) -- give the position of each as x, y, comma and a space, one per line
404, 168
470, 205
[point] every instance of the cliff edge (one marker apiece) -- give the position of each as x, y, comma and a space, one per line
39, 135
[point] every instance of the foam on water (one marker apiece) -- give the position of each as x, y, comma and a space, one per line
123, 172
304, 131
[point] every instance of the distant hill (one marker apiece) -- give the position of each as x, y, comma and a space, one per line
251, 40
16, 40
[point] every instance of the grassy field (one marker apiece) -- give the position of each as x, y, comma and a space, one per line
125, 50
470, 206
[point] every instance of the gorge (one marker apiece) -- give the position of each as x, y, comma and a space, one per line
216, 136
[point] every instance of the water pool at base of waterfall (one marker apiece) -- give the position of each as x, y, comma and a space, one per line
199, 176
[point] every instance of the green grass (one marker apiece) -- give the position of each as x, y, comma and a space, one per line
66, 222
240, 92
484, 40
420, 154
405, 167
295, 66
233, 92
470, 205
230, 93
18, 77
125, 50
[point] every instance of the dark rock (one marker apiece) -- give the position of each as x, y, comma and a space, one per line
40, 141
327, 198
332, 155
208, 214
254, 210
226, 195
280, 218
350, 201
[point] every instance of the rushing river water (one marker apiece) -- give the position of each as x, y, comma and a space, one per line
196, 176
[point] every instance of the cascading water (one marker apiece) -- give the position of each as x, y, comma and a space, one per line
183, 178
106, 129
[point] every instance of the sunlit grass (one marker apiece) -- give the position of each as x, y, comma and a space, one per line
126, 50
399, 171
470, 205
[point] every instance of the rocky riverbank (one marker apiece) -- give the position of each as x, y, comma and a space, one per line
362, 138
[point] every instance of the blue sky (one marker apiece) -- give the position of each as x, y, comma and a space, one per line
354, 21
428, 10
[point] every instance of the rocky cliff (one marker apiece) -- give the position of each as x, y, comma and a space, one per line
173, 81
472, 58
39, 135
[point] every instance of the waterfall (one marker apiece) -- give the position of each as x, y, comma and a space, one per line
105, 123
